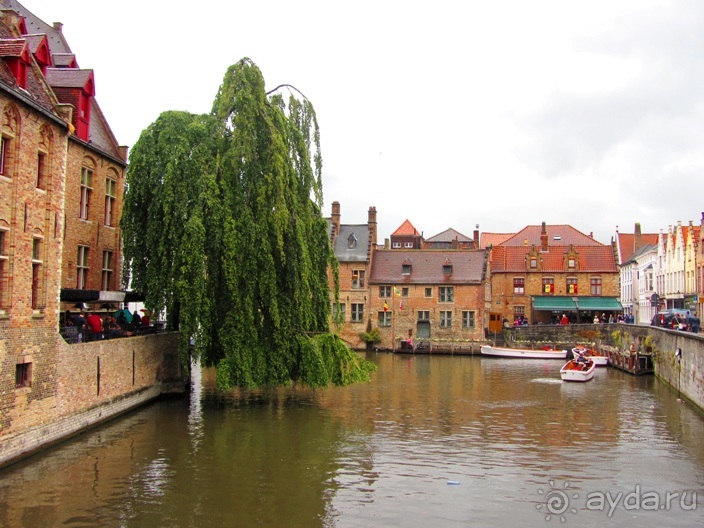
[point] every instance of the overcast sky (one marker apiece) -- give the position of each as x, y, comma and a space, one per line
446, 113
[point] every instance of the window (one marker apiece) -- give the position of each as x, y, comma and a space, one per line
548, 285
107, 270
338, 312
41, 171
357, 313
357, 279
595, 286
519, 311
533, 262
423, 315
408, 245
445, 319
446, 294
406, 269
519, 285
86, 190
384, 318
396, 245
428, 292
572, 285
3, 267
570, 263
384, 292
404, 292
467, 319
23, 375
351, 241
82, 268
4, 152
110, 186
447, 269
37, 273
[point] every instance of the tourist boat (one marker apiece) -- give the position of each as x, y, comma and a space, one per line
601, 360
545, 353
575, 370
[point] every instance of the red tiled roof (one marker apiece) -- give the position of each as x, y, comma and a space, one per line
626, 243
594, 259
427, 267
12, 47
494, 239
558, 235
406, 229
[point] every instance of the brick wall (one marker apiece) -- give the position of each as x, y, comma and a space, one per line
91, 382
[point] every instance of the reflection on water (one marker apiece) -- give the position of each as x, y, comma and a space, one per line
441, 441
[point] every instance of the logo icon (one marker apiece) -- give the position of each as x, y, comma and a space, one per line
557, 501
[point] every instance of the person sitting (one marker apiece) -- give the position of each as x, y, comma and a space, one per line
112, 329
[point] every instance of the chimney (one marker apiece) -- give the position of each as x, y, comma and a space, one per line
58, 26
476, 236
371, 224
544, 239
637, 237
335, 220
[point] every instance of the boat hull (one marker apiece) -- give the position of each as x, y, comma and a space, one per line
525, 353
574, 371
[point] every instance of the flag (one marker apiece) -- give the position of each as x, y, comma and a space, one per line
398, 293
400, 306
386, 306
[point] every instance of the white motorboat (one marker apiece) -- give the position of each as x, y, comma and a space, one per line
578, 370
525, 353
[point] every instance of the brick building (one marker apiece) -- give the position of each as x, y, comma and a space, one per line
439, 299
544, 271
353, 245
60, 172
94, 175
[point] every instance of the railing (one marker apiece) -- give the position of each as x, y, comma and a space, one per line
73, 334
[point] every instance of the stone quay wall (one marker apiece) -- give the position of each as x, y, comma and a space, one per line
95, 382
678, 357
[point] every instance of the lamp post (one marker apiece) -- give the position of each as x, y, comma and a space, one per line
678, 355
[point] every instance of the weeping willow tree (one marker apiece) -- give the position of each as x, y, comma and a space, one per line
223, 229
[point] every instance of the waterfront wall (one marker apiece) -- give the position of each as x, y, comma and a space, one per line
684, 373
94, 382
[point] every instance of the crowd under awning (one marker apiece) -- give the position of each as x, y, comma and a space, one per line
574, 304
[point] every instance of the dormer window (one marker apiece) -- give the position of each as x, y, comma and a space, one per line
351, 241
570, 263
18, 58
447, 267
533, 262
406, 267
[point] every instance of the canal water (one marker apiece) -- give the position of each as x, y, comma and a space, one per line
436, 441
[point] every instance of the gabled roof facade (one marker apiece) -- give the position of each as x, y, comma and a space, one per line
449, 235
352, 243
594, 259
428, 267
494, 239
406, 229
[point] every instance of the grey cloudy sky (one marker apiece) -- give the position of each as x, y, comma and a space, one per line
445, 113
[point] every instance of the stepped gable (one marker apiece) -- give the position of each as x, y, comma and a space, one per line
427, 267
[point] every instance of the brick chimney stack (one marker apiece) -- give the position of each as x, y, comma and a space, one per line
371, 224
476, 236
335, 221
637, 237
544, 238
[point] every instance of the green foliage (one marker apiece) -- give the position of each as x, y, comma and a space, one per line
223, 228
371, 336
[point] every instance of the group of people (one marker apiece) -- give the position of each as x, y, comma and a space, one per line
81, 327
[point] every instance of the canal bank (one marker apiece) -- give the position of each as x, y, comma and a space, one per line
90, 383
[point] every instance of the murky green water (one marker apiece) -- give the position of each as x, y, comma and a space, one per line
432, 441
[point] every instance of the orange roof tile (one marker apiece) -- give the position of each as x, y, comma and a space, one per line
594, 259
494, 239
558, 235
406, 229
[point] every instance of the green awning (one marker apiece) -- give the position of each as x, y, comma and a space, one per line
599, 303
549, 302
